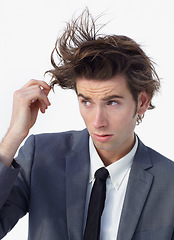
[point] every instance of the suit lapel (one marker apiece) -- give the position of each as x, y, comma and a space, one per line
139, 185
77, 175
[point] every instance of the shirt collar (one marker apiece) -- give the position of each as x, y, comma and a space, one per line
117, 170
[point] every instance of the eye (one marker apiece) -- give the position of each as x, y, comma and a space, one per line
112, 103
86, 103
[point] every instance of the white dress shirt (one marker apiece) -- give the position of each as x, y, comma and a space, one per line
116, 185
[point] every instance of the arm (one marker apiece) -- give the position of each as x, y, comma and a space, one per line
15, 191
15, 188
26, 103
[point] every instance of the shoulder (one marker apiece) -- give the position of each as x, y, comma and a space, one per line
145, 154
162, 168
61, 140
154, 162
156, 155
42, 147
162, 163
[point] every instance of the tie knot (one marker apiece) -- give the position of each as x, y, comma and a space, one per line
102, 173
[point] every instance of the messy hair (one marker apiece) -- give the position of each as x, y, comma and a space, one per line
82, 52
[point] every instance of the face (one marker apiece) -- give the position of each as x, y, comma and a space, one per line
108, 110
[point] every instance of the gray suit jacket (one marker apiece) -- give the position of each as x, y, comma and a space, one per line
51, 185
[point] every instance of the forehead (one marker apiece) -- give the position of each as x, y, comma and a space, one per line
115, 85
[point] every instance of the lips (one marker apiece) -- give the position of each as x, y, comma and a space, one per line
102, 137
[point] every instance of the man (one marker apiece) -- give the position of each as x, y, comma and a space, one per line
53, 176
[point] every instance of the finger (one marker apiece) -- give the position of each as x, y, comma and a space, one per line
46, 91
34, 93
43, 107
32, 82
36, 105
42, 88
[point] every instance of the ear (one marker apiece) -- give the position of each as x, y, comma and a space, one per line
143, 102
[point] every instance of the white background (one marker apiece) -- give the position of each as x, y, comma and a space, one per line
28, 31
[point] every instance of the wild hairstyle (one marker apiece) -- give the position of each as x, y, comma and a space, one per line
82, 52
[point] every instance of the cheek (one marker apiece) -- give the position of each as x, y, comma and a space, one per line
85, 115
129, 120
124, 118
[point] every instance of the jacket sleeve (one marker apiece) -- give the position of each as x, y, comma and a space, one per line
15, 188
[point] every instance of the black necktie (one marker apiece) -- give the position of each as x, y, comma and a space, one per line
96, 205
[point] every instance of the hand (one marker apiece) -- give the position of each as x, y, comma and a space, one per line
26, 103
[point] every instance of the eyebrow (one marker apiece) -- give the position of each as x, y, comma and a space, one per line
85, 97
104, 99
111, 97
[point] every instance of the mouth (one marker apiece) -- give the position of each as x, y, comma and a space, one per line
102, 137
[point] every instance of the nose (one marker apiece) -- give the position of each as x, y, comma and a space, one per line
100, 118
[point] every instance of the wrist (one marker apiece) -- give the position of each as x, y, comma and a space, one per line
9, 147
